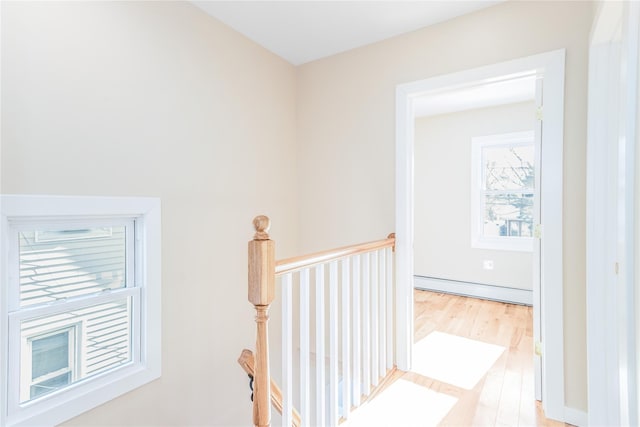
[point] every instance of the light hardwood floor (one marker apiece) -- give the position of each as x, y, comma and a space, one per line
484, 376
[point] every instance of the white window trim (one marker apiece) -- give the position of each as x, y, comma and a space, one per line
67, 404
478, 241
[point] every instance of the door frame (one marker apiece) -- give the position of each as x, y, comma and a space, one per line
551, 65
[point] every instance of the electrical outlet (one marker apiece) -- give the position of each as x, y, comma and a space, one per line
487, 264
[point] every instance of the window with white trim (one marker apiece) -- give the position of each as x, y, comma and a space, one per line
503, 191
49, 362
80, 292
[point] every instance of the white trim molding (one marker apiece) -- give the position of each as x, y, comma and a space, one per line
405, 128
576, 417
475, 290
550, 66
613, 138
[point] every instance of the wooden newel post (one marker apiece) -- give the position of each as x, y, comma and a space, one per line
262, 268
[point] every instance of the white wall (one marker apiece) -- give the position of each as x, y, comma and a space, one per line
346, 133
442, 186
158, 99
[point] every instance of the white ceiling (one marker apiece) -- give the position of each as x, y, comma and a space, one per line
305, 30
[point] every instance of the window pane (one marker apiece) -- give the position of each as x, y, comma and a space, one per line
58, 264
49, 354
508, 215
98, 339
508, 167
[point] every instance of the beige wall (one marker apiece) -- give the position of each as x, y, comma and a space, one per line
158, 99
442, 197
346, 133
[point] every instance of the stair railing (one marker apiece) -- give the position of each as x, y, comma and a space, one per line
357, 324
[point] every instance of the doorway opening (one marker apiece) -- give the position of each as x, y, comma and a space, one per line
476, 206
547, 297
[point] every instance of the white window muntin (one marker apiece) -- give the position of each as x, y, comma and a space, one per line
108, 385
478, 239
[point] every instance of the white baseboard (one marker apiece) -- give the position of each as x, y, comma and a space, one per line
575, 417
476, 290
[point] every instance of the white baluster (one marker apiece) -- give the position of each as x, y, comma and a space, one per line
356, 340
375, 322
346, 336
382, 288
333, 344
287, 339
320, 338
390, 306
305, 377
366, 324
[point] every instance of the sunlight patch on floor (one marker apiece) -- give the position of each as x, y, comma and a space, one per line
403, 403
454, 360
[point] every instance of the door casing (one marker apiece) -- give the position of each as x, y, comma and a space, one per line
550, 65
612, 279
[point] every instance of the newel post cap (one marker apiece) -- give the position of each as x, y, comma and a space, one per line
261, 223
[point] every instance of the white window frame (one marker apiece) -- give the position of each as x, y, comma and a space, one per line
82, 396
478, 240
